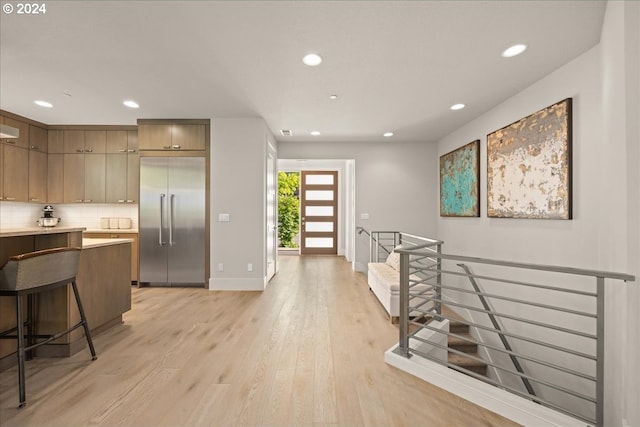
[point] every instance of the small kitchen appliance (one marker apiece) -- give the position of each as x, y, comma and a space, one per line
47, 219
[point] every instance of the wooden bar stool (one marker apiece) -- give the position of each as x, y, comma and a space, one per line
34, 272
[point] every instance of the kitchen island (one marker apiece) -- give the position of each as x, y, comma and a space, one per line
104, 284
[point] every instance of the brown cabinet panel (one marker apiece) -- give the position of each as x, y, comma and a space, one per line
95, 141
37, 176
187, 137
116, 178
94, 178
23, 138
116, 141
154, 137
133, 177
56, 141
132, 141
15, 173
38, 139
73, 178
73, 141
1, 170
134, 247
55, 178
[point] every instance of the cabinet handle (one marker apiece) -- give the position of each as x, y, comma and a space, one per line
90, 150
33, 199
166, 147
114, 236
130, 201
79, 151
122, 151
175, 147
34, 147
120, 201
78, 200
9, 198
9, 141
131, 151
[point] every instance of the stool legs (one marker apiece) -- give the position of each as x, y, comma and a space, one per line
84, 321
19, 320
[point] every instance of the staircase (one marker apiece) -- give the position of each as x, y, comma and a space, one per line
470, 348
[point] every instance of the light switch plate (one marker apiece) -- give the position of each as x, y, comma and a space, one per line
364, 216
223, 217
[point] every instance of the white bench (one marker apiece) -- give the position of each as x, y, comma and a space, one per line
384, 280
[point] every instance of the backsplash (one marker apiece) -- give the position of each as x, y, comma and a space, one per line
19, 215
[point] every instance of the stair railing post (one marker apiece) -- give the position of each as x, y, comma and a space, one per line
600, 352
438, 305
403, 321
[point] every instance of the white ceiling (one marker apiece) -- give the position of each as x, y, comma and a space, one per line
395, 65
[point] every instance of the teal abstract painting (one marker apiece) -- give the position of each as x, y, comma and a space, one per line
460, 181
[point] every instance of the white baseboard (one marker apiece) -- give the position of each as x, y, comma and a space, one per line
501, 402
236, 284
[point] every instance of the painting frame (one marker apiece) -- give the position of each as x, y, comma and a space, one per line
529, 166
460, 181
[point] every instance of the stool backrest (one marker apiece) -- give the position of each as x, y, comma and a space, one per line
40, 268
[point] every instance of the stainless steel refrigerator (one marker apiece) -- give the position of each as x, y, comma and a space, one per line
172, 221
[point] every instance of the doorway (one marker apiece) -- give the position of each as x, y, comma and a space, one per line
319, 213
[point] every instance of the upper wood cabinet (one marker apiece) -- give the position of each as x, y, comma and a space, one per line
56, 141
23, 138
73, 141
15, 171
116, 141
38, 139
95, 141
178, 136
37, 176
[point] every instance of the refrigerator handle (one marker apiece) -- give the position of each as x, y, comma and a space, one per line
171, 242
160, 242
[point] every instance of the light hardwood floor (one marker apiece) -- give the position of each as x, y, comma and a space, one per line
308, 351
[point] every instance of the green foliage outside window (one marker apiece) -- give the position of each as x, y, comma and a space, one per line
288, 208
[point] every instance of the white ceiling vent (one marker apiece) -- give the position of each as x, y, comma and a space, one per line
285, 132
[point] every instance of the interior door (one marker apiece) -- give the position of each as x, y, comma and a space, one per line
319, 213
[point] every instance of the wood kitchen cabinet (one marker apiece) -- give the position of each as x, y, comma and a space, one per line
120, 235
38, 149
73, 141
94, 178
95, 141
15, 172
181, 135
23, 138
55, 141
122, 167
38, 176
73, 180
55, 177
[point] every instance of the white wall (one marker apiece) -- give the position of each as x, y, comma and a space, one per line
395, 183
238, 188
604, 232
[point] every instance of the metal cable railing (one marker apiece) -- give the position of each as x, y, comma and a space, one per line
546, 321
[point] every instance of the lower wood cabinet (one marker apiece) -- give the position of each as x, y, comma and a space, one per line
115, 235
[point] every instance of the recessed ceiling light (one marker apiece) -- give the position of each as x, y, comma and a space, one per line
387, 134
333, 96
315, 132
312, 59
131, 104
285, 132
457, 107
43, 103
514, 50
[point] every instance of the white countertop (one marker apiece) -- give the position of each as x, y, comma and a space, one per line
111, 230
32, 231
96, 243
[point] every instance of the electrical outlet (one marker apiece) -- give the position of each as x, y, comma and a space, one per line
249, 267
220, 266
